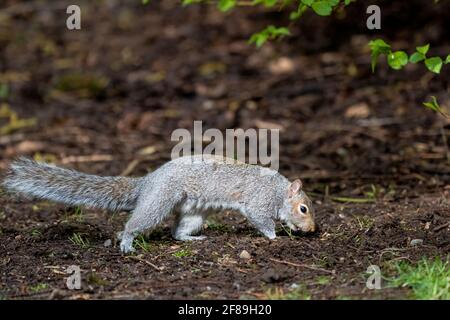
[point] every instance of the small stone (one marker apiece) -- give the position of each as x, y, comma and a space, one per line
359, 110
245, 255
282, 65
416, 242
208, 105
294, 286
107, 243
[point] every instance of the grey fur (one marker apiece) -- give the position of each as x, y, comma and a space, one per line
71, 187
190, 187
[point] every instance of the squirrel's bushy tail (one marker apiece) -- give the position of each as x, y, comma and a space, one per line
71, 187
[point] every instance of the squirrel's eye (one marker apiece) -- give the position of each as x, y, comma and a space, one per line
303, 209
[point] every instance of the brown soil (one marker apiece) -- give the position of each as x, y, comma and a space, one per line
114, 91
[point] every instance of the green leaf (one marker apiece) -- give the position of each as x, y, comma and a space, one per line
447, 60
433, 104
333, 3
434, 64
294, 15
277, 33
258, 39
269, 33
308, 2
322, 8
266, 3
226, 5
397, 59
416, 57
424, 49
285, 3
378, 46
145, 1
270, 3
188, 2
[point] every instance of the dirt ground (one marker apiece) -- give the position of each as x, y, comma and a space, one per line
105, 100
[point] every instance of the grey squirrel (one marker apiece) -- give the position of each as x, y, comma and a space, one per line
190, 187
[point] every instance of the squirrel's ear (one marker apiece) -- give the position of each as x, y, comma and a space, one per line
295, 187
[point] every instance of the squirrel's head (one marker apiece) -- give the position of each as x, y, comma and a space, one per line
298, 212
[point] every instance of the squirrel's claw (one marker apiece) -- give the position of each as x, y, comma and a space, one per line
126, 245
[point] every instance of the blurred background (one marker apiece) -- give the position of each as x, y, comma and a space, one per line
135, 72
105, 100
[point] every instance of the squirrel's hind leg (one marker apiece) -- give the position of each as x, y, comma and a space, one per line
186, 226
147, 215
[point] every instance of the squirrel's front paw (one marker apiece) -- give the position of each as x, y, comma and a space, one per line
126, 246
270, 234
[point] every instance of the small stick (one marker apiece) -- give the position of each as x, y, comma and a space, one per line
301, 265
230, 245
242, 270
131, 166
90, 158
146, 262
11, 138
442, 226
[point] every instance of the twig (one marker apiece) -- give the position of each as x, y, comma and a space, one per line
378, 122
131, 166
146, 262
230, 245
90, 158
12, 138
242, 270
301, 265
442, 226
353, 200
